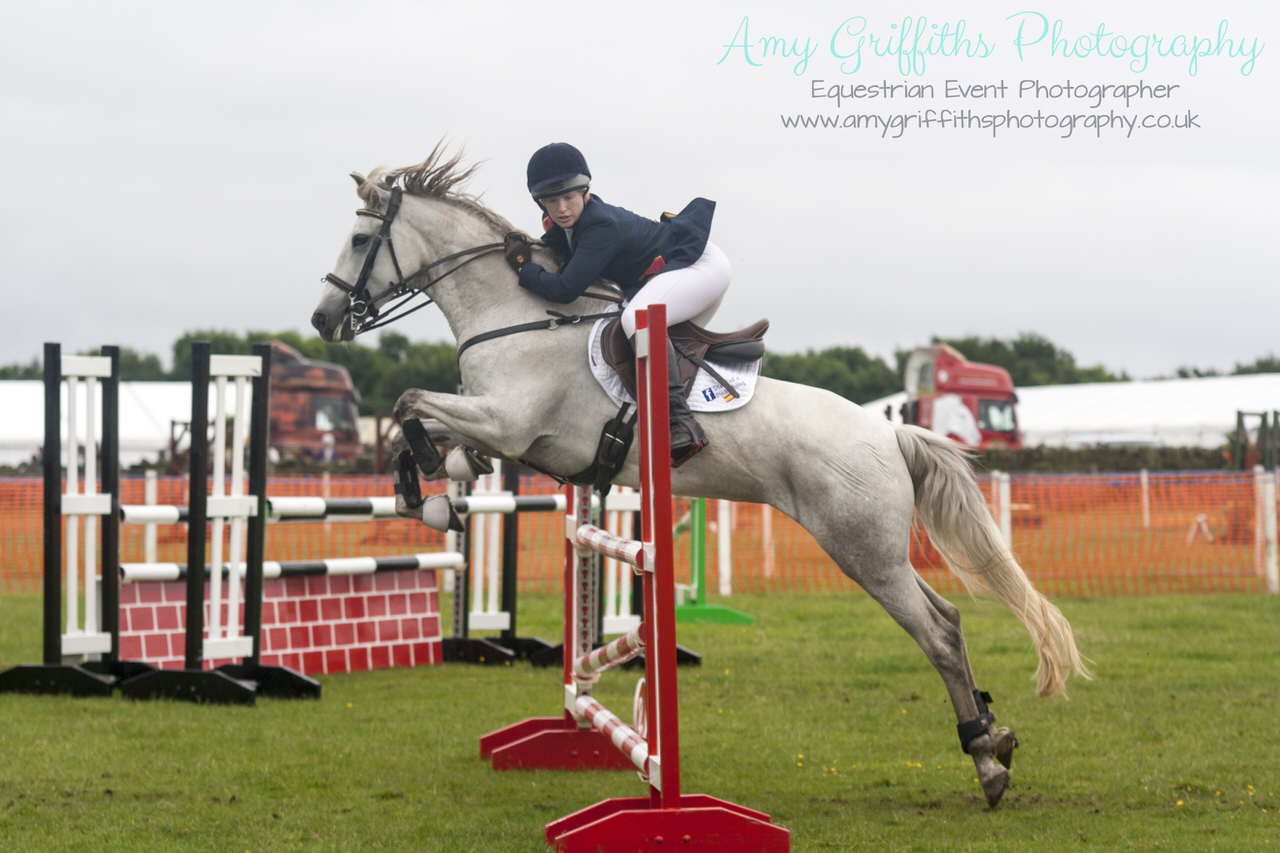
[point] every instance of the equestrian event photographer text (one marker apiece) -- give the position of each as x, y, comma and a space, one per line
914, 42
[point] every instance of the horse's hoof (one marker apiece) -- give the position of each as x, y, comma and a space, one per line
438, 514
465, 465
1006, 743
405, 511
995, 785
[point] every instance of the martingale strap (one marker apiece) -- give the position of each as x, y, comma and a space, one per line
557, 320
976, 727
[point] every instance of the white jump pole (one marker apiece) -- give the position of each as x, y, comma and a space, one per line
621, 505
73, 523
1006, 510
724, 538
452, 542
1146, 499
83, 636
766, 538
228, 504
149, 497
1272, 558
1259, 522
486, 544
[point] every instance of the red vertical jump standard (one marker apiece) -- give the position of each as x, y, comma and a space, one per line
587, 735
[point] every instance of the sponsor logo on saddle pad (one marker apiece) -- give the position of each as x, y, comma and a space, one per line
706, 395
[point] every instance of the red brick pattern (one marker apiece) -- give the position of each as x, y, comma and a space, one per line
314, 624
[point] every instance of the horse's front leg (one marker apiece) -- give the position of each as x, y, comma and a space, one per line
457, 420
421, 437
447, 454
445, 440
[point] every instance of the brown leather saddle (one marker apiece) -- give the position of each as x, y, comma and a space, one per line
694, 345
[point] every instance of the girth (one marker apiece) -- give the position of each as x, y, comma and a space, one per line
611, 454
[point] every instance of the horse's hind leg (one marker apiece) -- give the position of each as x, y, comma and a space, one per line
934, 623
1004, 740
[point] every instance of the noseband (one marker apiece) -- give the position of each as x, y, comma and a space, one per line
362, 307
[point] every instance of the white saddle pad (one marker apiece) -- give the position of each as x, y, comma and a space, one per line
706, 395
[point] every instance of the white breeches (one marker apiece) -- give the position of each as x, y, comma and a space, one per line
691, 293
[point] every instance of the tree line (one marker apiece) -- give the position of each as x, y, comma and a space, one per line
381, 372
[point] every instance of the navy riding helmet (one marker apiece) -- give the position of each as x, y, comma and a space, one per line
556, 169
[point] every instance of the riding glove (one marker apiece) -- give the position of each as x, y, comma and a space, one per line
517, 250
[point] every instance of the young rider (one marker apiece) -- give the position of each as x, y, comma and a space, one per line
667, 261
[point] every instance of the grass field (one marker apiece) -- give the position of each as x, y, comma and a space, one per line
822, 714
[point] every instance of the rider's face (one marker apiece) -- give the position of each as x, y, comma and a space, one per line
565, 209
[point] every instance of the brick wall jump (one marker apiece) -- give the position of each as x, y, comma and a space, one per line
313, 624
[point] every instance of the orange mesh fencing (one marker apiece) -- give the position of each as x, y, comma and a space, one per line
1075, 535
21, 534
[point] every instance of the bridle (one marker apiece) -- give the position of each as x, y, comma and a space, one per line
364, 312
363, 309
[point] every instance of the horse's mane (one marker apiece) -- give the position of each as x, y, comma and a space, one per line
435, 177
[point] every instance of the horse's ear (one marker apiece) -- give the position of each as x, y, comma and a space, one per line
369, 193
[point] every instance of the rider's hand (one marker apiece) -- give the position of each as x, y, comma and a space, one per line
518, 250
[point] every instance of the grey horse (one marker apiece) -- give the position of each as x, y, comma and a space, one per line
850, 478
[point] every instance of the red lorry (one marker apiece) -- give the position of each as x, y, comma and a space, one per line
973, 403
313, 407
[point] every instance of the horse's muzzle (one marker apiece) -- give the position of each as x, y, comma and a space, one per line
332, 328
320, 321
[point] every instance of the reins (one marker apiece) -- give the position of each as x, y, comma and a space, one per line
365, 315
410, 293
362, 306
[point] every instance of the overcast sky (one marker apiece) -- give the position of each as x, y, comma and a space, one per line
176, 166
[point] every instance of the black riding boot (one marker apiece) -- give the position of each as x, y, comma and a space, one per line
687, 437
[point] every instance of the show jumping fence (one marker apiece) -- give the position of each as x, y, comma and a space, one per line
589, 736
1076, 535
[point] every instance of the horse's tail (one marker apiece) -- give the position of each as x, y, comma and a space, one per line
955, 515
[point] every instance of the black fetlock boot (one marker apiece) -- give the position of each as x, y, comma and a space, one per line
687, 437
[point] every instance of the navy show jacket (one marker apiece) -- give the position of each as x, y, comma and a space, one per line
626, 248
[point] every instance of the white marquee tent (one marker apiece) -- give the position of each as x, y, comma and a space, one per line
146, 412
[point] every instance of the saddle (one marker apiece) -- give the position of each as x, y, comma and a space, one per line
694, 346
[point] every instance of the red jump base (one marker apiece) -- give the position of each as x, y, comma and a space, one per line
631, 825
551, 743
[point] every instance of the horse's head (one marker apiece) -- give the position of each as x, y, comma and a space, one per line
367, 271
393, 253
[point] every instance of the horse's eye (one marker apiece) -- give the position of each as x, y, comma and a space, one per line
359, 241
